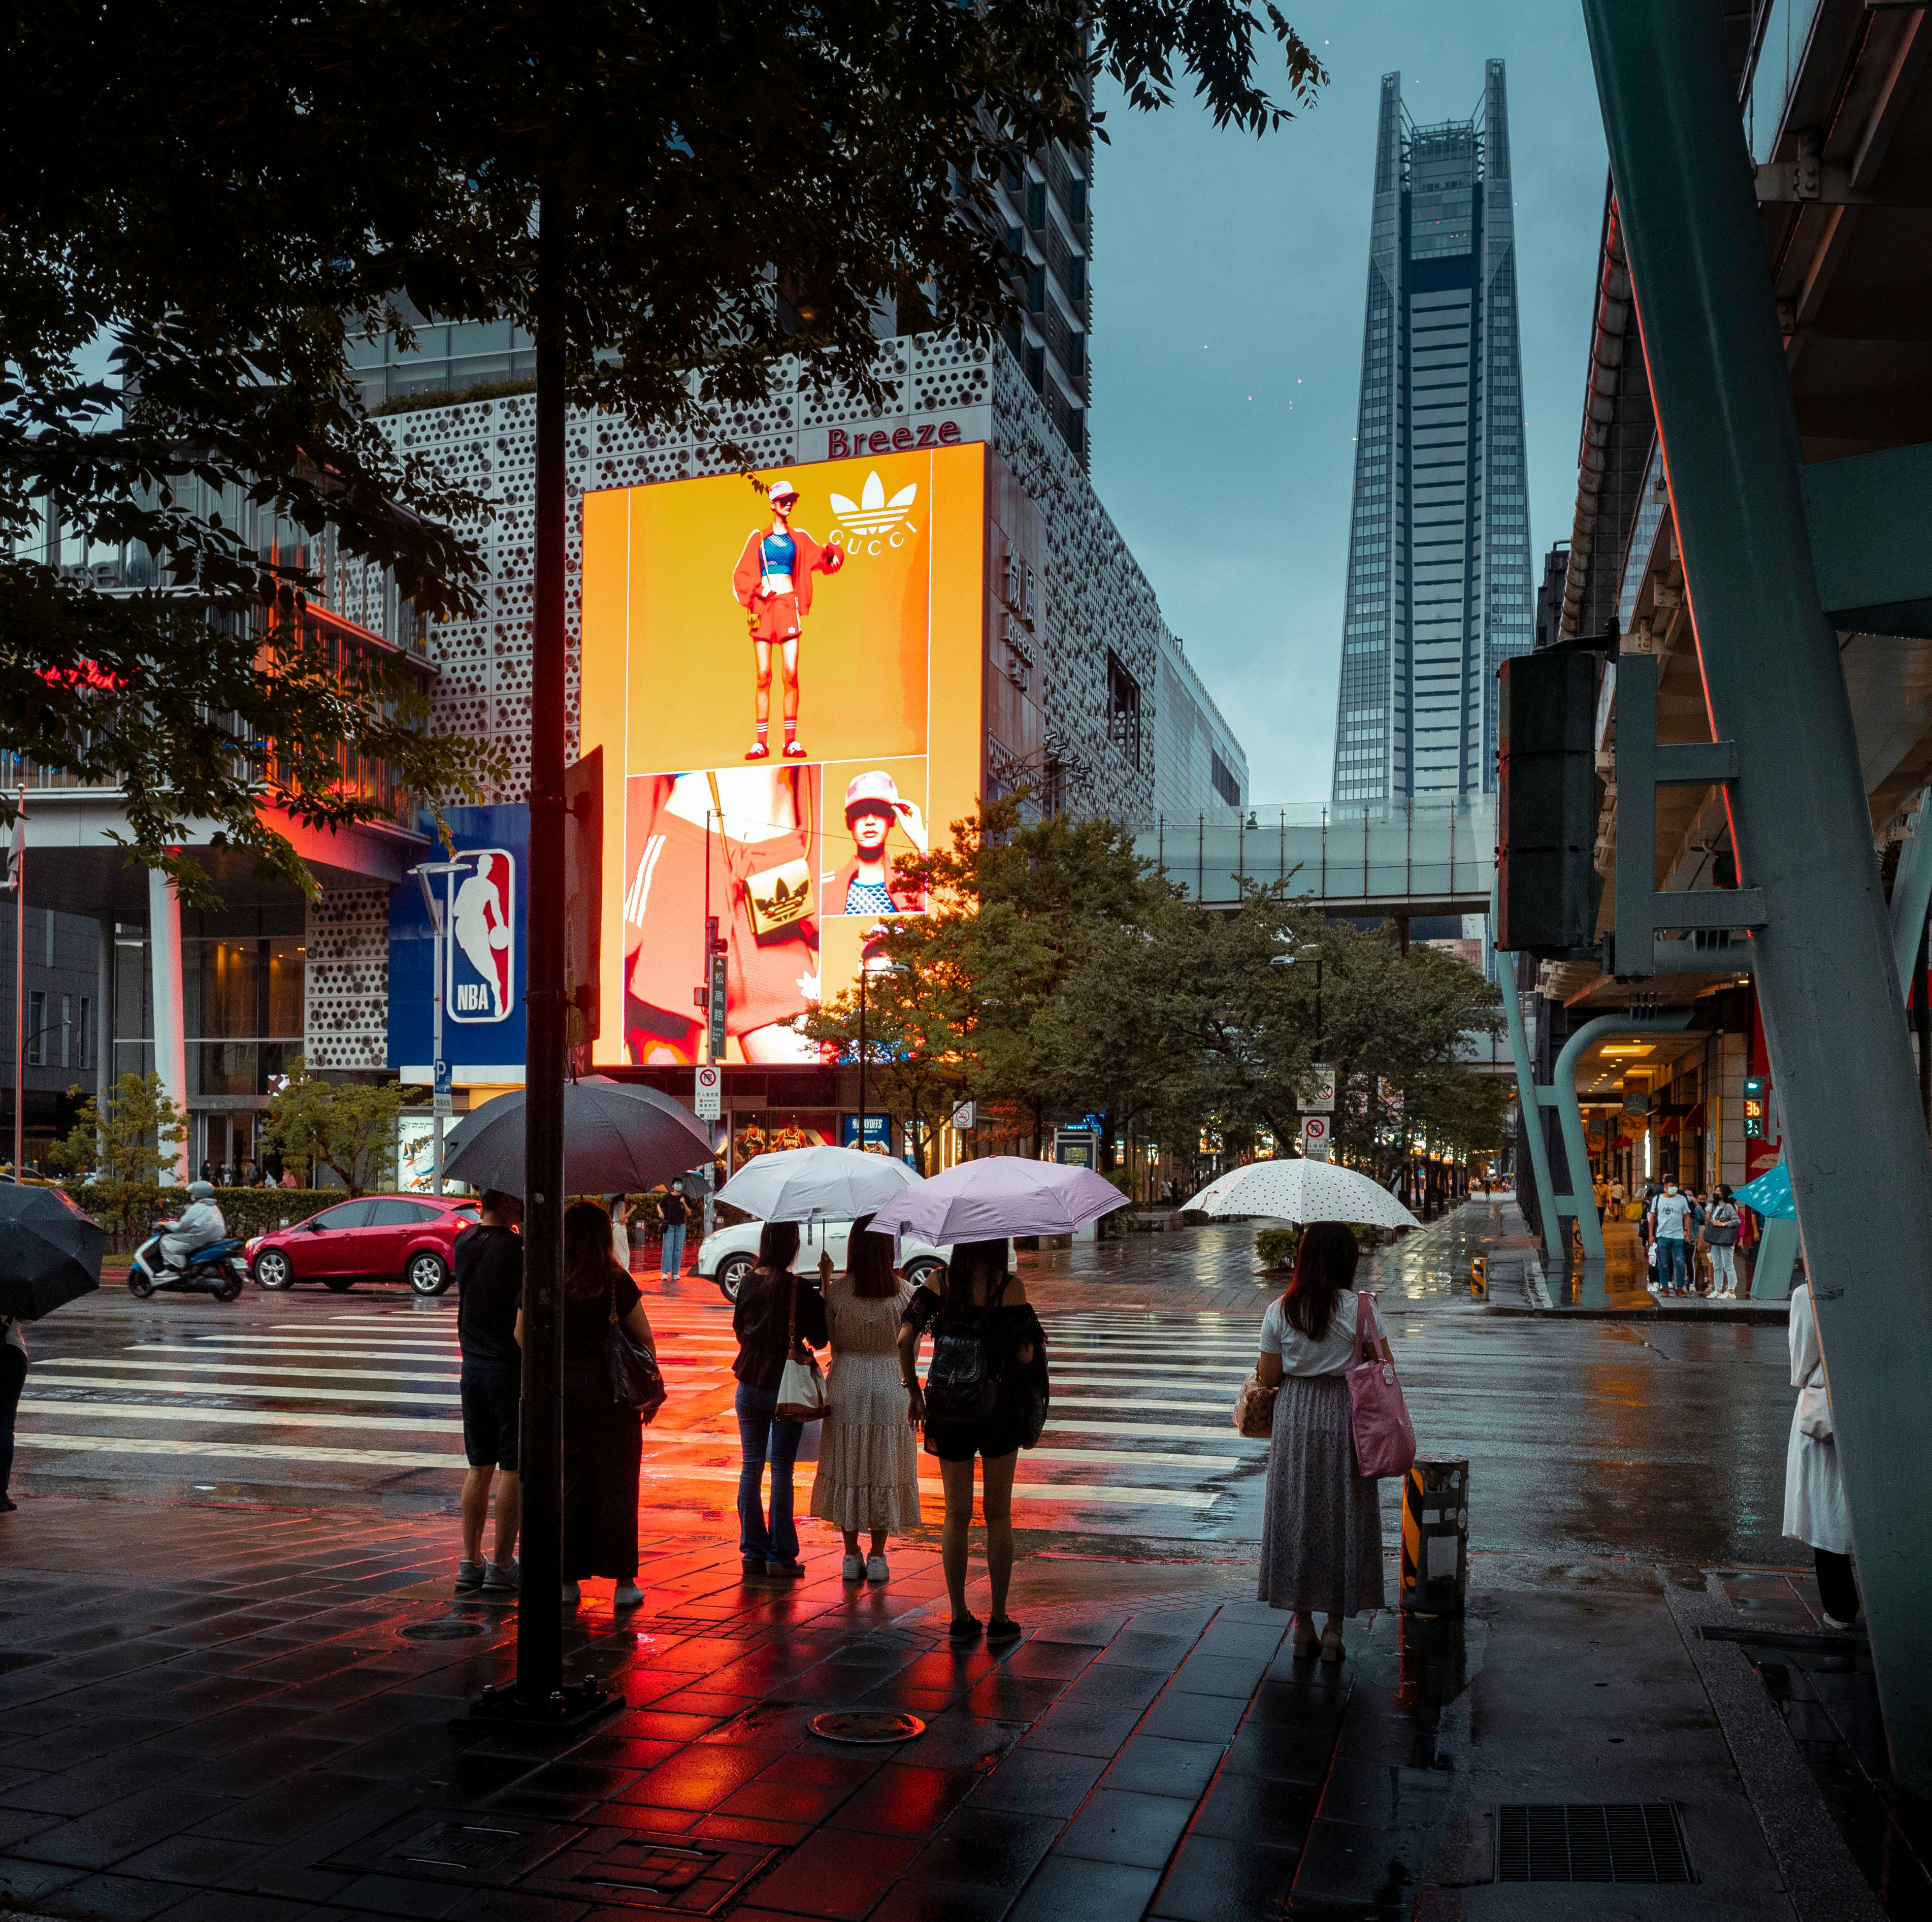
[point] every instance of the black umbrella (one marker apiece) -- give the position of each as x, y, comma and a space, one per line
49, 1251
617, 1137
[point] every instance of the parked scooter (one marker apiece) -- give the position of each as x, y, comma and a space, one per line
219, 1269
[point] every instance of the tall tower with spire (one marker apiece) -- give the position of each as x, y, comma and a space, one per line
1438, 592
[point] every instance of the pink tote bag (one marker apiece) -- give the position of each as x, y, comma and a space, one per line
1384, 1440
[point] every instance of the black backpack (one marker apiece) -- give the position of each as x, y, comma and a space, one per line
961, 1385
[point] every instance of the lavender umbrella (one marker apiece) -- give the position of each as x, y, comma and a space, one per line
995, 1196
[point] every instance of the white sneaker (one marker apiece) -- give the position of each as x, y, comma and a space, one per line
626, 1595
876, 1569
1653, 1287
851, 1570
572, 1594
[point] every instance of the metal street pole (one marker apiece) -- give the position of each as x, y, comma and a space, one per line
539, 1694
427, 874
1827, 982
20, 879
861, 1048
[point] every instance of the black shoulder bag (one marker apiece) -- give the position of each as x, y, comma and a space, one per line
636, 1381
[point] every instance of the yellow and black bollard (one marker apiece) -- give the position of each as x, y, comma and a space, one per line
1435, 1537
1479, 1276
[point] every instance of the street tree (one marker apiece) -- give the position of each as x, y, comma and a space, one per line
121, 1144
206, 204
348, 1128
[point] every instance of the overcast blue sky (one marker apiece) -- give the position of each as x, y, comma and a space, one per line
1229, 277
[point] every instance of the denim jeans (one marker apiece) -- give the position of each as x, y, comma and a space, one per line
1673, 1261
760, 1436
674, 1249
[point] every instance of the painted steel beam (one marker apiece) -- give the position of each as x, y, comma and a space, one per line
1854, 1139
1867, 516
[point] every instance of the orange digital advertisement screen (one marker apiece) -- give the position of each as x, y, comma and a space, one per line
786, 688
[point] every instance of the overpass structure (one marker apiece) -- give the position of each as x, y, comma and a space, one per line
1399, 859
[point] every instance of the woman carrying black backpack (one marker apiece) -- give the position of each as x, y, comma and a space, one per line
986, 1393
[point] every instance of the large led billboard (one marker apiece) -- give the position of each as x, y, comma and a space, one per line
786, 684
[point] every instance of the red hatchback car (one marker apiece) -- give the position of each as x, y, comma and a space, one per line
408, 1238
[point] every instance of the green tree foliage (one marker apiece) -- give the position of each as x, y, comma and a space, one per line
227, 195
120, 1145
348, 1128
1057, 974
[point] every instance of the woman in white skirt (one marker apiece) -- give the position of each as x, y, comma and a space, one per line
1815, 1512
868, 1457
1322, 1532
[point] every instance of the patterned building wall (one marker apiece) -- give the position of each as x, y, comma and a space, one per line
1095, 597
346, 981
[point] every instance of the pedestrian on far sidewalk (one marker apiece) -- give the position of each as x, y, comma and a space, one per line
489, 1336
13, 1379
771, 1300
1670, 1224
603, 1439
1321, 1534
868, 1476
1617, 1197
1815, 1510
1721, 1237
621, 1211
674, 1212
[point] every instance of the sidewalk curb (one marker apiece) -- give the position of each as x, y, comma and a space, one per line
1748, 1314
1824, 1883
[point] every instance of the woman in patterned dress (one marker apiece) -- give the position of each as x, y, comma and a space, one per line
868, 1476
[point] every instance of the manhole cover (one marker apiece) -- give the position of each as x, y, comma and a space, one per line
867, 1725
462, 1845
1590, 1842
441, 1631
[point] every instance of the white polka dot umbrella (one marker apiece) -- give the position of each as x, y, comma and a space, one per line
1302, 1191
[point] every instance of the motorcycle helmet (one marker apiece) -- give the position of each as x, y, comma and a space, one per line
201, 1190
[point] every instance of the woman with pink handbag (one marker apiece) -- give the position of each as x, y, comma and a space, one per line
1333, 1434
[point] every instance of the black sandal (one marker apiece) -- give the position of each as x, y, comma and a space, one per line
965, 1628
1002, 1628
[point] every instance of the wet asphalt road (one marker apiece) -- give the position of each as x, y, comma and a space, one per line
1664, 1445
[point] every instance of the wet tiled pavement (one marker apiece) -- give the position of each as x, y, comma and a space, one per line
233, 1702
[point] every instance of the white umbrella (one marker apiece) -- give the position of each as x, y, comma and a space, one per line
996, 1196
821, 1184
1303, 1191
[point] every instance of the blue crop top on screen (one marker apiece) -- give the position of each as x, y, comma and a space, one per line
779, 554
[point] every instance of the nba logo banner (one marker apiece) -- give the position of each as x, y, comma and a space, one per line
483, 908
482, 916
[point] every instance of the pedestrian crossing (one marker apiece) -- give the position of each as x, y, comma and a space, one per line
308, 1392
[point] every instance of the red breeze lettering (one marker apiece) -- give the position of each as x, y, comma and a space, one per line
840, 443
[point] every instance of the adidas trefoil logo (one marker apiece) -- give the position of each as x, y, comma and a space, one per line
872, 513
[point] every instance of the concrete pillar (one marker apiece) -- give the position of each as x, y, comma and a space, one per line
1827, 974
164, 963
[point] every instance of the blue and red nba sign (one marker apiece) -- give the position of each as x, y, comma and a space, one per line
484, 914
480, 911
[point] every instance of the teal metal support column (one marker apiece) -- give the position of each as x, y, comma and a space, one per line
1912, 895
1561, 1096
1527, 1095
1827, 984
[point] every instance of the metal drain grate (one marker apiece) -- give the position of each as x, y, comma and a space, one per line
1590, 1842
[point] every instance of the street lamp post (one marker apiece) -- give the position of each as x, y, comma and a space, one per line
428, 873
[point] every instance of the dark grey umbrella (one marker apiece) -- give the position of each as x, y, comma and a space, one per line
49, 1251
617, 1137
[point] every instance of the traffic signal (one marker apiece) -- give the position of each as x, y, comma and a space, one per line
1755, 1106
1548, 795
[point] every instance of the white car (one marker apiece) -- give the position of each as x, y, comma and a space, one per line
727, 1255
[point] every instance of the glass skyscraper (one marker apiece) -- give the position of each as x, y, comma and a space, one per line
1438, 548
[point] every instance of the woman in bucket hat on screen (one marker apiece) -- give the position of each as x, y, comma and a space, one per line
868, 884
772, 582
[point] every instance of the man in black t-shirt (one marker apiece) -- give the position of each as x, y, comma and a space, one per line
673, 1211
489, 1333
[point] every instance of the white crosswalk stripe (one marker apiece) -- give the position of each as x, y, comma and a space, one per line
257, 1405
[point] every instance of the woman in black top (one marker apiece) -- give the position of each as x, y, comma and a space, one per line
603, 1442
978, 1298
760, 1318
